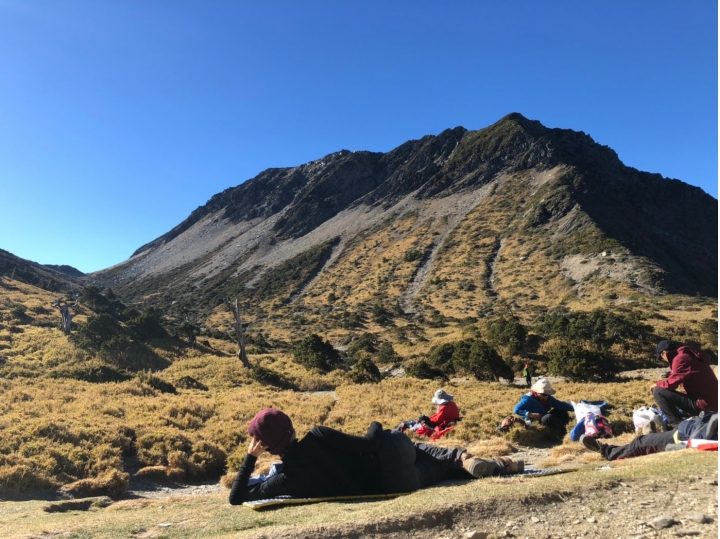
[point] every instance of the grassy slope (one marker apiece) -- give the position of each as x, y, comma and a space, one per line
49, 438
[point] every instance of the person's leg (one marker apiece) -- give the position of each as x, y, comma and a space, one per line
449, 457
436, 464
557, 420
671, 402
642, 445
396, 457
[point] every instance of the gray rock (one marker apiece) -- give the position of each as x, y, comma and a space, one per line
663, 522
687, 532
700, 518
476, 535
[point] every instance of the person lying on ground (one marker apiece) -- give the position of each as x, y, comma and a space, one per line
655, 442
446, 415
689, 368
540, 405
329, 463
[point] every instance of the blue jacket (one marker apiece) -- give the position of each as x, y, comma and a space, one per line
530, 405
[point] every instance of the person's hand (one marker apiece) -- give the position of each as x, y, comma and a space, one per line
652, 387
256, 448
534, 416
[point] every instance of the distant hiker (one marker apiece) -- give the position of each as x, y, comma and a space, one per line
327, 462
444, 419
689, 368
527, 373
704, 427
540, 405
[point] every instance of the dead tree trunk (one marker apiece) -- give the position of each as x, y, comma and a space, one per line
235, 309
65, 313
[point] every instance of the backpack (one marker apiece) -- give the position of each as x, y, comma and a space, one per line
646, 414
597, 426
703, 427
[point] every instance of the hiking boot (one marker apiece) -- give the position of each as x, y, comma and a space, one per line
591, 443
478, 467
511, 465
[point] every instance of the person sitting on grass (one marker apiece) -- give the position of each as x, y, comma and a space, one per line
704, 427
446, 415
540, 405
689, 368
329, 463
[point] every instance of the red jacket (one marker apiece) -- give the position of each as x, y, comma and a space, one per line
447, 413
691, 369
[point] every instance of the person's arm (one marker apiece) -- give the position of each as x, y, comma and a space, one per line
524, 409
349, 443
277, 485
680, 369
561, 405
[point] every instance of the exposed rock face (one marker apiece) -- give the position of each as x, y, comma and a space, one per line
294, 231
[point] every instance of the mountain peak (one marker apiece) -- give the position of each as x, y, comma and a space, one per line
534, 185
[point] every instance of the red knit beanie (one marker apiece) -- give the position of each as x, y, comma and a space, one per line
273, 428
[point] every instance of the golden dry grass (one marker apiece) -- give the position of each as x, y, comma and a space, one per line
60, 430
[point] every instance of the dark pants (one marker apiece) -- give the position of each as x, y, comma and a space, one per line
528, 380
556, 420
406, 466
677, 406
642, 445
436, 464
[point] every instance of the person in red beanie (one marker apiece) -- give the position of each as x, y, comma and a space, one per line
689, 368
327, 462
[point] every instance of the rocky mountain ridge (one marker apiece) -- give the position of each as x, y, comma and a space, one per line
515, 215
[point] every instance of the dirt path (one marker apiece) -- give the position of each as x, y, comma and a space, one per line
633, 509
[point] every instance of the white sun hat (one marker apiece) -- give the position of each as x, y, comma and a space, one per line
441, 397
543, 386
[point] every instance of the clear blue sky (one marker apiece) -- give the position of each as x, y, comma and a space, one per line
120, 117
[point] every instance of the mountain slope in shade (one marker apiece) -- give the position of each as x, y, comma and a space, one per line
47, 276
515, 215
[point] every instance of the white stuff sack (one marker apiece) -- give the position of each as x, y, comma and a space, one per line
644, 415
582, 409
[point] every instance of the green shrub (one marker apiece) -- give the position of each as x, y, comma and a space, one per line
574, 362
366, 342
484, 363
365, 372
421, 369
95, 331
386, 353
316, 353
147, 326
412, 254
441, 358
507, 332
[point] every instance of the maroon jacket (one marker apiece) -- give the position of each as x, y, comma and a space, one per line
691, 369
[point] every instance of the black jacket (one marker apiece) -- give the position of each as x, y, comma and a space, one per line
326, 462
